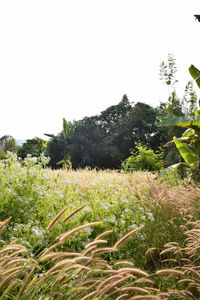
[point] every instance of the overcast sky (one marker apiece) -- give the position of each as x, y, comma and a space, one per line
75, 58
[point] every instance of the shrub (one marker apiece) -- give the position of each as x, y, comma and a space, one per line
143, 158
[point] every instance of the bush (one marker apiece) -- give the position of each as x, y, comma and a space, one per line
144, 158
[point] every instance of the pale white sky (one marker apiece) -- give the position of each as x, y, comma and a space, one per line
75, 58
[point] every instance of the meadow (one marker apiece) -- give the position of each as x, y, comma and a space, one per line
90, 234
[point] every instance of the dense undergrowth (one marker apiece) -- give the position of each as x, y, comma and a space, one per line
166, 213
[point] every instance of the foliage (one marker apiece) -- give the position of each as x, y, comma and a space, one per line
189, 144
35, 147
190, 100
58, 147
35, 196
143, 158
89, 273
167, 75
7, 143
104, 141
195, 74
66, 161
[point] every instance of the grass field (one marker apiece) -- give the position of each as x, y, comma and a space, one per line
150, 248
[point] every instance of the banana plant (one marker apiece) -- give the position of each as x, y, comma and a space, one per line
188, 144
66, 161
66, 132
195, 74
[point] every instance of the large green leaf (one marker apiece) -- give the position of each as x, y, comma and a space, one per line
188, 133
189, 155
189, 139
169, 169
182, 121
197, 112
195, 74
66, 129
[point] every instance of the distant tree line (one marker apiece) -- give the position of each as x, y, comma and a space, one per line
105, 140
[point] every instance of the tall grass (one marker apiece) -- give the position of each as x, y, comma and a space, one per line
91, 234
56, 274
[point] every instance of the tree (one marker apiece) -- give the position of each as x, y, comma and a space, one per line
7, 143
168, 77
190, 100
87, 144
35, 147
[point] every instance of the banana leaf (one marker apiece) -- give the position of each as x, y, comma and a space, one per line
195, 74
169, 169
66, 129
182, 121
188, 133
189, 139
197, 112
189, 155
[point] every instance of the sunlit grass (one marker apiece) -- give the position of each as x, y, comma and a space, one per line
44, 204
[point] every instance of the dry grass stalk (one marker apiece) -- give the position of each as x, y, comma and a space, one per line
169, 272
164, 294
46, 251
89, 281
110, 272
4, 223
169, 260
107, 280
96, 242
124, 296
127, 236
144, 280
60, 265
108, 288
133, 270
151, 289
25, 283
123, 263
144, 297
95, 261
77, 266
89, 295
57, 217
150, 250
103, 250
89, 250
74, 212
58, 255
168, 250
12, 248
103, 234
8, 279
189, 270
11, 261
65, 235
81, 259
16, 253
10, 271
134, 289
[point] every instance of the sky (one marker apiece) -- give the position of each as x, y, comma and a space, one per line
75, 58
